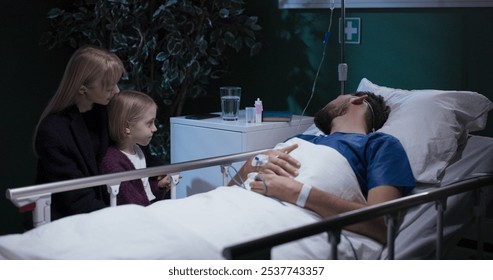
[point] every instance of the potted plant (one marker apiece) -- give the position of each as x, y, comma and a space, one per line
171, 48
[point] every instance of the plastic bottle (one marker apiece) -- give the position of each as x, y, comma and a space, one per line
258, 110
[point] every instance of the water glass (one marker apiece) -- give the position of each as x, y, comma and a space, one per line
230, 102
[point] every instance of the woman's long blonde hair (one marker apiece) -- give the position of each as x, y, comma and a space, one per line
85, 67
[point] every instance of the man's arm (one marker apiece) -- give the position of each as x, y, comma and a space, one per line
327, 205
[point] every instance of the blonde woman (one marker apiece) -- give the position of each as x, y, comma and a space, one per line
72, 134
132, 115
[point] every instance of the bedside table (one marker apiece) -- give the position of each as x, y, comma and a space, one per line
198, 139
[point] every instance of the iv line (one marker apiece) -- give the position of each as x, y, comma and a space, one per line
326, 39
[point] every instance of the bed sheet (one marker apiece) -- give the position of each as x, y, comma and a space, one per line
417, 234
192, 228
202, 225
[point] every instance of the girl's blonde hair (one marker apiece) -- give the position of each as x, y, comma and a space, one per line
85, 67
125, 108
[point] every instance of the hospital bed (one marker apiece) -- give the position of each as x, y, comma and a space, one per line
453, 168
436, 216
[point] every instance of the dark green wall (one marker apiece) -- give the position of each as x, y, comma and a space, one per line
405, 48
29, 76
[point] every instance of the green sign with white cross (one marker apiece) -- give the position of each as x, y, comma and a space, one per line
352, 30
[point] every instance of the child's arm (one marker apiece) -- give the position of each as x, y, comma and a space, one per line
160, 187
115, 161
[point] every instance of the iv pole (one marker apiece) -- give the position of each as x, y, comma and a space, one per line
343, 67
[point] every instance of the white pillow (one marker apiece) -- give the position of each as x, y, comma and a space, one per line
431, 124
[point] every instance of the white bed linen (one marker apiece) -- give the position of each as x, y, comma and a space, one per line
417, 234
316, 160
200, 226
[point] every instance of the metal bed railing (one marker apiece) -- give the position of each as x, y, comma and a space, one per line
40, 195
261, 248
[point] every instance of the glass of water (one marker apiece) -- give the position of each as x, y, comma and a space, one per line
230, 102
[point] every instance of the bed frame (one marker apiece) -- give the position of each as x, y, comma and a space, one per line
261, 248
38, 199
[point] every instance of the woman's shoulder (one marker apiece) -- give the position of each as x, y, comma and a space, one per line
58, 120
55, 130
53, 127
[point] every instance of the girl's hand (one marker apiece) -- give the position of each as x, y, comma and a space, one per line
164, 182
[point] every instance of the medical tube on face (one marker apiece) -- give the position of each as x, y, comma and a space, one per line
372, 116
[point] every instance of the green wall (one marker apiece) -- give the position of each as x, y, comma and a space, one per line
402, 48
29, 76
405, 48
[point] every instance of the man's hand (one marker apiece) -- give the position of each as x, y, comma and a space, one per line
279, 162
280, 187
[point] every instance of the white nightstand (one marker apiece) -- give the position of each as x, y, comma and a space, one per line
199, 139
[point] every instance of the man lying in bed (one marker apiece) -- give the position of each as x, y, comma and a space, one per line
378, 160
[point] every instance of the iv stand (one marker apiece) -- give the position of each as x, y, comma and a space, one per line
343, 67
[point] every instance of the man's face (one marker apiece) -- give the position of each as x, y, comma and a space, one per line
336, 108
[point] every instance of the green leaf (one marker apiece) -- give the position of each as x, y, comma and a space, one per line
170, 3
161, 56
224, 13
202, 44
157, 13
255, 49
220, 46
168, 46
54, 13
255, 27
189, 28
238, 44
249, 42
195, 68
229, 37
253, 19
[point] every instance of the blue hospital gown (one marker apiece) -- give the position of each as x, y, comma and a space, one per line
376, 158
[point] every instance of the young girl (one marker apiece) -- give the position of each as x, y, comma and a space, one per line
72, 134
131, 124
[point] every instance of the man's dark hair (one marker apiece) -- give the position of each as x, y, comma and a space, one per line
379, 112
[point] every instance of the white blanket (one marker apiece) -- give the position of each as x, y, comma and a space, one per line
325, 168
196, 227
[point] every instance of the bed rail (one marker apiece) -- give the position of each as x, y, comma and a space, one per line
40, 195
261, 248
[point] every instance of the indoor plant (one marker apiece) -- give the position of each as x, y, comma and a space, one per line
171, 48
